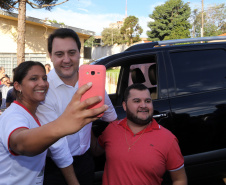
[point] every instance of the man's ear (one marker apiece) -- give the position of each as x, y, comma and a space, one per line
124, 105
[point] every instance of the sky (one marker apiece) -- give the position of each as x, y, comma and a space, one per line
95, 15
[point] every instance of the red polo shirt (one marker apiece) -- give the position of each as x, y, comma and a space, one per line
151, 155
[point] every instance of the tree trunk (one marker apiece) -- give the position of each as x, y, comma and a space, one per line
21, 32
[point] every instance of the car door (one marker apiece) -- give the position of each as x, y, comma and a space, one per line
197, 91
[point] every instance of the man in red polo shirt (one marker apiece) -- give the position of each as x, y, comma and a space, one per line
139, 150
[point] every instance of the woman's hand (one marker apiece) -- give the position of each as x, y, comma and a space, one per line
77, 114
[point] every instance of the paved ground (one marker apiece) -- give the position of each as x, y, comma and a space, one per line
209, 182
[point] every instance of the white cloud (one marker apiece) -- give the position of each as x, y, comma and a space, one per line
77, 4
143, 21
85, 3
91, 22
84, 10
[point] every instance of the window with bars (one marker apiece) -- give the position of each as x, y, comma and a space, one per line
9, 60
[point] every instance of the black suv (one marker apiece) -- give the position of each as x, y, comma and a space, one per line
188, 87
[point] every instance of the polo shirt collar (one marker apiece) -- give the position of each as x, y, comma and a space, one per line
55, 78
152, 126
56, 81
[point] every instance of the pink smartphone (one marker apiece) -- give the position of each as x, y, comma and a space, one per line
95, 74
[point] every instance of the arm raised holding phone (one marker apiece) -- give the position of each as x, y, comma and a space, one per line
32, 142
24, 140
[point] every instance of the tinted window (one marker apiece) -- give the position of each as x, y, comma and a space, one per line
196, 71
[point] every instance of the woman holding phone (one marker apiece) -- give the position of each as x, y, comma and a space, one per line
23, 141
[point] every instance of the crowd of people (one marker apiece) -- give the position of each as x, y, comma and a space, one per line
6, 87
46, 132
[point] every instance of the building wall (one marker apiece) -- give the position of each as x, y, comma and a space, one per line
7, 35
35, 44
35, 38
103, 51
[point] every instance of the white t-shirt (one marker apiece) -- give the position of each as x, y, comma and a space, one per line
57, 99
4, 90
18, 169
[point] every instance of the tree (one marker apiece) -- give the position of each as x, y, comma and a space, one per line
55, 21
170, 21
214, 21
90, 42
111, 36
223, 28
196, 25
216, 14
131, 29
10, 5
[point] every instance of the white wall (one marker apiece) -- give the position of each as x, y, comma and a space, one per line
102, 51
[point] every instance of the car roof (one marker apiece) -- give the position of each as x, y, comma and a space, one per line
148, 48
176, 41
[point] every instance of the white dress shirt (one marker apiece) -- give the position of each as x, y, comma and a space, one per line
57, 99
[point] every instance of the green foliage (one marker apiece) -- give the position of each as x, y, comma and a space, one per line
211, 30
223, 28
113, 70
47, 2
196, 25
55, 22
90, 42
214, 21
129, 33
216, 15
170, 21
131, 29
9, 5
6, 5
111, 36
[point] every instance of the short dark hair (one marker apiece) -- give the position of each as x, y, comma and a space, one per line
63, 33
137, 86
6, 76
20, 72
2, 78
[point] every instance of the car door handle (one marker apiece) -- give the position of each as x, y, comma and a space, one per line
163, 115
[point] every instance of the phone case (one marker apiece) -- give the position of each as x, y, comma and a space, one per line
95, 74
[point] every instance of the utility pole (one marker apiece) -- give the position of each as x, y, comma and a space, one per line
126, 8
112, 37
202, 29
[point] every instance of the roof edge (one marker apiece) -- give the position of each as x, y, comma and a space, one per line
51, 25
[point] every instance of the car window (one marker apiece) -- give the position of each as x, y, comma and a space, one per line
145, 74
112, 75
198, 71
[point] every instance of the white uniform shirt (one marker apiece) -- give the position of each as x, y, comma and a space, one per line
18, 169
57, 99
